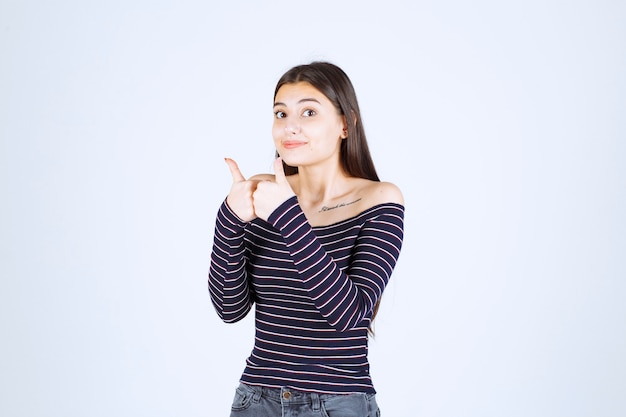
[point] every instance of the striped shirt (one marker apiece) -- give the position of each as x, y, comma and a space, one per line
314, 288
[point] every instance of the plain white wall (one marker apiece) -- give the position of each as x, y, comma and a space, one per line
503, 123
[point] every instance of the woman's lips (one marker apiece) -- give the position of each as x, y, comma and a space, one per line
290, 144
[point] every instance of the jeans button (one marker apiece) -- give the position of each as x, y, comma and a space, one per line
286, 395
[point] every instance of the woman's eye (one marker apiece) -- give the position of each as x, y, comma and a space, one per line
279, 114
308, 113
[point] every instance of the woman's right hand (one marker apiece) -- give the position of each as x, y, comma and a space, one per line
240, 197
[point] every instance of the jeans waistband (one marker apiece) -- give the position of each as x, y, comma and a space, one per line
287, 394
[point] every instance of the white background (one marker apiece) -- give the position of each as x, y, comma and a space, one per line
501, 121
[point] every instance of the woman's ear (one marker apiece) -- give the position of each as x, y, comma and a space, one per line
345, 125
344, 131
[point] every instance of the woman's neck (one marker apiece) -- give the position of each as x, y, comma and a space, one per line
316, 186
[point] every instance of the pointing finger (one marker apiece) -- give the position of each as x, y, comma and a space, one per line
234, 170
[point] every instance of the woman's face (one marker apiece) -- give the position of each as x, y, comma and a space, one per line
307, 128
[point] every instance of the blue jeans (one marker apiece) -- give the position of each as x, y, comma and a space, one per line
251, 401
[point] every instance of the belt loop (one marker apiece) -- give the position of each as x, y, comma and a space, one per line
315, 401
258, 391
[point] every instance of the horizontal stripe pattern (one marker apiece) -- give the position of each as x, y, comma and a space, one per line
314, 289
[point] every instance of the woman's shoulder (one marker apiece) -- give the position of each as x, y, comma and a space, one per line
377, 193
262, 177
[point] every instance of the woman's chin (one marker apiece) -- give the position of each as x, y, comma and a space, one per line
290, 161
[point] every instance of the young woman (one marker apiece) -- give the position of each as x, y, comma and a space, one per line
313, 247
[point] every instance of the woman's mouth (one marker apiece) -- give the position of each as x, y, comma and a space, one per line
291, 144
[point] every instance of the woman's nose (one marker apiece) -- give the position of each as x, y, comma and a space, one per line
292, 127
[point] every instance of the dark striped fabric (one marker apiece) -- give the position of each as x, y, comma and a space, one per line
314, 289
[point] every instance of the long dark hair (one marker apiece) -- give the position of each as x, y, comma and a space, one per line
354, 154
333, 82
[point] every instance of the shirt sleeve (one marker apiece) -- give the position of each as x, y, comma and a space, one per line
344, 298
231, 293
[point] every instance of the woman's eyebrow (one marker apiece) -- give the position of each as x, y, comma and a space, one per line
304, 100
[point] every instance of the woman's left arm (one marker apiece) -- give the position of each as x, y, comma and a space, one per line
343, 298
